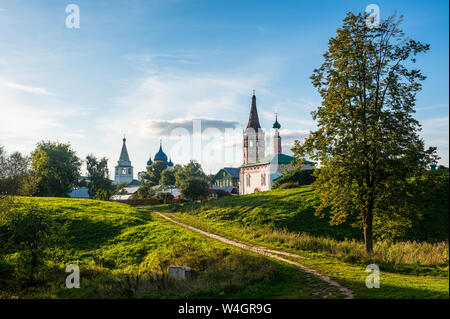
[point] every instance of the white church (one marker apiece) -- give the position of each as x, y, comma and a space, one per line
258, 172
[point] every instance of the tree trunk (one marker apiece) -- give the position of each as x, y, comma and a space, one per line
368, 240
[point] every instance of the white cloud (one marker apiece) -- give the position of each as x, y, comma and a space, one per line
151, 107
5, 83
25, 120
165, 128
435, 133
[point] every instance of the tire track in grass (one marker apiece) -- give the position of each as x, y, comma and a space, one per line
275, 254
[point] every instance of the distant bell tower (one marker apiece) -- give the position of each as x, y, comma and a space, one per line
254, 138
123, 170
276, 136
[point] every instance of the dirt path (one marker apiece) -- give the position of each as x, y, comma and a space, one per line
267, 252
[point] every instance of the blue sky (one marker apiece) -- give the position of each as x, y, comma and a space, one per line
141, 68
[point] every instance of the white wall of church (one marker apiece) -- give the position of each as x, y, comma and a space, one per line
255, 179
123, 174
261, 178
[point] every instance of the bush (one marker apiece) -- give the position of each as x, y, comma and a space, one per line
288, 185
164, 198
300, 177
221, 193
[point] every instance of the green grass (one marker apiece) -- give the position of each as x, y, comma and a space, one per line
137, 249
284, 219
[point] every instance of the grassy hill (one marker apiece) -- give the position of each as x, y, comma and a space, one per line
293, 211
284, 219
137, 249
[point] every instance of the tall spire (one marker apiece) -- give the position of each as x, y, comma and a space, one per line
276, 137
253, 120
124, 159
276, 125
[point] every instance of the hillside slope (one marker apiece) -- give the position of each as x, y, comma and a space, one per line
284, 220
293, 210
137, 249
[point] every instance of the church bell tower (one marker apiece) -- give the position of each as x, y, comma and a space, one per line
254, 137
123, 169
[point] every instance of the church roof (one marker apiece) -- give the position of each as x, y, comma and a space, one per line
150, 162
233, 171
276, 125
170, 164
253, 120
160, 156
124, 159
276, 158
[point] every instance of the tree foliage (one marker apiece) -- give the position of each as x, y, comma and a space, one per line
100, 186
14, 170
54, 168
367, 139
145, 191
33, 234
297, 177
168, 177
192, 169
194, 188
153, 173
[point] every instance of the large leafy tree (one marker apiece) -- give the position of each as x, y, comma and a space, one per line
195, 188
31, 234
100, 186
191, 169
367, 138
55, 168
153, 173
13, 172
167, 177
192, 181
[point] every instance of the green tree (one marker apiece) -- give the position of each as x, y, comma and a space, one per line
54, 168
14, 169
100, 186
195, 188
33, 235
167, 177
145, 191
192, 169
153, 173
2, 161
367, 140
120, 188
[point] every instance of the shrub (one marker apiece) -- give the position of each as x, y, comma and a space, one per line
288, 185
301, 177
164, 198
221, 193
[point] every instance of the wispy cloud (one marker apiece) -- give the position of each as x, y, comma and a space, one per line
166, 128
27, 120
5, 83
